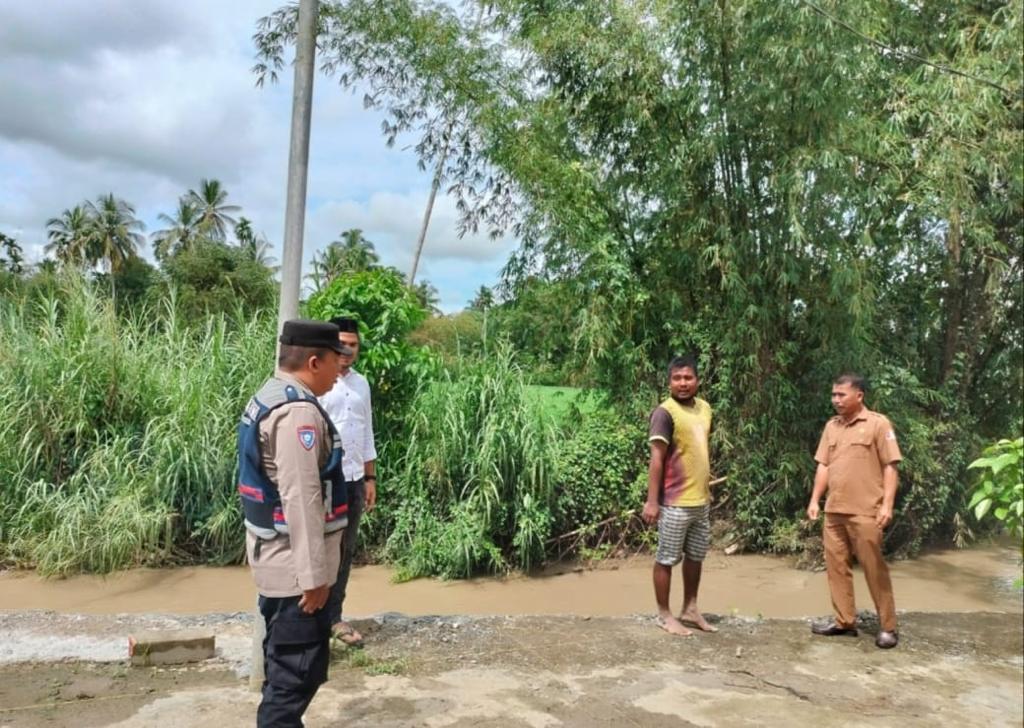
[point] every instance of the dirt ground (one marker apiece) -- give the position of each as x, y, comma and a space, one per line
955, 669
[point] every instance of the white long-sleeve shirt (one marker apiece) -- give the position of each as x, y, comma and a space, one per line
349, 406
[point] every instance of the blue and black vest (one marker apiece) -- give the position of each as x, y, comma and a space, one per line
261, 501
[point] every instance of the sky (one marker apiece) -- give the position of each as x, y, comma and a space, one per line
144, 98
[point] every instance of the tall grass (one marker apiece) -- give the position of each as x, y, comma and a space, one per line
118, 446
474, 486
119, 441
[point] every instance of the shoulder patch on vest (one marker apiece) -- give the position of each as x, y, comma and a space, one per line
307, 436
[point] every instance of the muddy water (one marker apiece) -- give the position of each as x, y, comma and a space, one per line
977, 579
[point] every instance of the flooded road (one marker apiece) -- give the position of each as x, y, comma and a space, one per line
977, 579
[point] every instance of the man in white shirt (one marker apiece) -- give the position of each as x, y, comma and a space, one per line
348, 404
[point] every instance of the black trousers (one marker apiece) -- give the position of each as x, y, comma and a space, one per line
296, 652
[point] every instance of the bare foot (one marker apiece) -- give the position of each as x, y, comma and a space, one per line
671, 625
696, 619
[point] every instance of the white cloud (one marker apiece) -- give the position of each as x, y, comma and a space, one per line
144, 98
392, 220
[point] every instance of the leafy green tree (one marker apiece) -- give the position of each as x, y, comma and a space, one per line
852, 197
214, 214
387, 312
455, 337
69, 236
213, 277
137, 282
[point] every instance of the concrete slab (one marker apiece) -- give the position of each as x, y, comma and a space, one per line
170, 647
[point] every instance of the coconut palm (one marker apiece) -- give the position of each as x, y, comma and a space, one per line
427, 295
181, 232
116, 234
214, 215
255, 245
357, 252
350, 253
483, 300
69, 236
11, 255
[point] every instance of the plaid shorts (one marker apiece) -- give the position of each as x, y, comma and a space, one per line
685, 529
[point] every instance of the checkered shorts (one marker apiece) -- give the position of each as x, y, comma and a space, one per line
682, 530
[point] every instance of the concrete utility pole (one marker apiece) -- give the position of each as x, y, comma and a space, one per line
298, 161
294, 221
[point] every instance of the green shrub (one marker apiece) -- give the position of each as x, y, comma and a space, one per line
453, 337
473, 489
1000, 492
387, 312
212, 277
599, 461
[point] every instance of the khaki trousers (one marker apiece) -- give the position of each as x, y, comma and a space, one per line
844, 537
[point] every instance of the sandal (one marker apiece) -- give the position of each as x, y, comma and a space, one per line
347, 634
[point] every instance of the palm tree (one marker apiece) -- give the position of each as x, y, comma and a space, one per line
483, 300
255, 245
69, 236
181, 233
214, 214
12, 256
326, 265
427, 295
350, 253
116, 234
357, 252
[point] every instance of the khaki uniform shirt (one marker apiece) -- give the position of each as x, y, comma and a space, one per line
855, 454
306, 558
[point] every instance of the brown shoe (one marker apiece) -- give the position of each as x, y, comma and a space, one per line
887, 640
831, 629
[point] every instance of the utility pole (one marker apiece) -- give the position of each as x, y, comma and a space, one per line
298, 161
294, 221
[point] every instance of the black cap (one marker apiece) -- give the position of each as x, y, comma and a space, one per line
314, 334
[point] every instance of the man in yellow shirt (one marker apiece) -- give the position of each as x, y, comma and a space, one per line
677, 493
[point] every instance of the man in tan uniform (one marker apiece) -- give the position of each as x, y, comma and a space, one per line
857, 459
293, 498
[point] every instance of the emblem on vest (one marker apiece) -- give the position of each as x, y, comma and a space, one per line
307, 436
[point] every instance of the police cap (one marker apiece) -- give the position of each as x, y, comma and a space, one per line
314, 334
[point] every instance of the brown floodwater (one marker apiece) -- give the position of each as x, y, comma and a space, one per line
976, 579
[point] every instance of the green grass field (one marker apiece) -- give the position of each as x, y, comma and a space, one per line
558, 401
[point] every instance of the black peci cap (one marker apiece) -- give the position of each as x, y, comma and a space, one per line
314, 334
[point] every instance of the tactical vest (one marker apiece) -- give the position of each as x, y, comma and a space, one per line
261, 501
